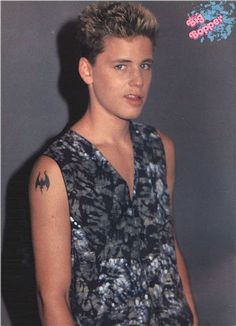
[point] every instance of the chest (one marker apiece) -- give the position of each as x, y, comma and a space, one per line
111, 224
121, 160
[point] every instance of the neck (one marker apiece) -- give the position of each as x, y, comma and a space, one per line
102, 127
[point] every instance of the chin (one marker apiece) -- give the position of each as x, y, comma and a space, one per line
131, 114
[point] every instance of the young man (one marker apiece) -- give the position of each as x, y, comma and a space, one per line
103, 236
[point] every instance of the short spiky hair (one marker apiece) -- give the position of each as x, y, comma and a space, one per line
120, 19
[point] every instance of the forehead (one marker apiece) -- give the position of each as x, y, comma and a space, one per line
138, 47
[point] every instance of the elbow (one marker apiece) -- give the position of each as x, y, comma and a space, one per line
51, 300
54, 307
48, 296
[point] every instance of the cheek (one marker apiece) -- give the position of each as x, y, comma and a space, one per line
101, 84
106, 88
107, 81
148, 79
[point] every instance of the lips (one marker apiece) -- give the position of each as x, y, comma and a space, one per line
133, 96
134, 99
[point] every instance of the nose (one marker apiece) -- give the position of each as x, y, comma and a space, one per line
136, 77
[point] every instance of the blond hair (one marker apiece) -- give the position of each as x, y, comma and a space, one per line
120, 19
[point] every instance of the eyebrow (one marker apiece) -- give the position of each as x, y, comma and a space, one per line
129, 61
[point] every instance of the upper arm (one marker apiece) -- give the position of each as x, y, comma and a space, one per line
170, 162
50, 227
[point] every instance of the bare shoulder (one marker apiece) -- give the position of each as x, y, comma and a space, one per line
168, 145
46, 181
45, 163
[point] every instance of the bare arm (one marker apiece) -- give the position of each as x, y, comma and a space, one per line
170, 162
51, 242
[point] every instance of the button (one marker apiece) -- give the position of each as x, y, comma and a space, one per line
130, 211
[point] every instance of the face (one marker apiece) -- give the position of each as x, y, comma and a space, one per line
119, 80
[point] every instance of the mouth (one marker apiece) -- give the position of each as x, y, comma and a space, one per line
134, 99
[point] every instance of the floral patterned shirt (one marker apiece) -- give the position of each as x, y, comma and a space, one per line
124, 268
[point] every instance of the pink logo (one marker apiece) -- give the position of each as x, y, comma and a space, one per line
211, 20
194, 20
204, 30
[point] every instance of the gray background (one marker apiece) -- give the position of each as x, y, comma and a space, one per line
192, 99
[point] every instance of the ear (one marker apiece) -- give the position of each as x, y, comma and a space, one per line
85, 70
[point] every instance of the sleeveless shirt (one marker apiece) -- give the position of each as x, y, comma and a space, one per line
124, 268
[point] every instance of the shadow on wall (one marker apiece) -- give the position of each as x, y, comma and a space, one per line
71, 86
18, 282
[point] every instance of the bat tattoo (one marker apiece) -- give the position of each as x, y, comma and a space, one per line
42, 182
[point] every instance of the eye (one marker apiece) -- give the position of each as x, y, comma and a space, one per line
120, 66
146, 66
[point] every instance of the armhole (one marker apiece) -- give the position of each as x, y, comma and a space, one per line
158, 132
